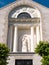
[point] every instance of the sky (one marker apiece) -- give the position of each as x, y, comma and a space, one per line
6, 2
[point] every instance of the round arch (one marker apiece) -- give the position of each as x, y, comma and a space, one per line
23, 15
32, 12
25, 12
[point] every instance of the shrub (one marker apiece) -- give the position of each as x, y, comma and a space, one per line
43, 50
45, 60
4, 53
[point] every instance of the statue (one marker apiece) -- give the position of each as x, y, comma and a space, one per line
26, 43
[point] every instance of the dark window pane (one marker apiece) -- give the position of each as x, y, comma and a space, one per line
24, 15
23, 62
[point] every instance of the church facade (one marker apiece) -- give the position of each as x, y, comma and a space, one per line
23, 24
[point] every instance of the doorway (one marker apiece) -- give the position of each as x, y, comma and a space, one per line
23, 62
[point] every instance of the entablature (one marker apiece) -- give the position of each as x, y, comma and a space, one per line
24, 19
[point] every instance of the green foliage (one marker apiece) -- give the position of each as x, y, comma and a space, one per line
43, 50
4, 51
45, 60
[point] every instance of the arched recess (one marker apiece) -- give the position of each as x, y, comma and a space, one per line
24, 15
24, 20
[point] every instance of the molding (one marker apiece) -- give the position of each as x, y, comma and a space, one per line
21, 53
24, 20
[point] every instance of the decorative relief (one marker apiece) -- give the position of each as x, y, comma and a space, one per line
26, 43
29, 10
24, 9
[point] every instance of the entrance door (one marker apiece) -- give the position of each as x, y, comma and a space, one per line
23, 62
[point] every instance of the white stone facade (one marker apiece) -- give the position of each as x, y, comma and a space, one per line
42, 34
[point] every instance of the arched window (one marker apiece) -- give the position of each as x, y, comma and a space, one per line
24, 15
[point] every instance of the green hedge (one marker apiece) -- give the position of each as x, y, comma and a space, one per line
4, 53
43, 50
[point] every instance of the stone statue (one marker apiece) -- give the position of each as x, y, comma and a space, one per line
26, 44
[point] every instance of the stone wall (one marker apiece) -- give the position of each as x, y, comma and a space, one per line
4, 12
34, 57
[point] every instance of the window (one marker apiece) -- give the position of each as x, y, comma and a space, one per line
24, 15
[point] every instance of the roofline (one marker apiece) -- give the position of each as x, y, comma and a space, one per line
8, 5
19, 1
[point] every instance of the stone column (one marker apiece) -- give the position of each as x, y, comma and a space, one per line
10, 37
41, 30
32, 39
15, 39
37, 34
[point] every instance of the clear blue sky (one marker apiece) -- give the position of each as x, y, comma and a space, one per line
5, 2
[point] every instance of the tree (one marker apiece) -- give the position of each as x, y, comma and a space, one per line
4, 53
43, 50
